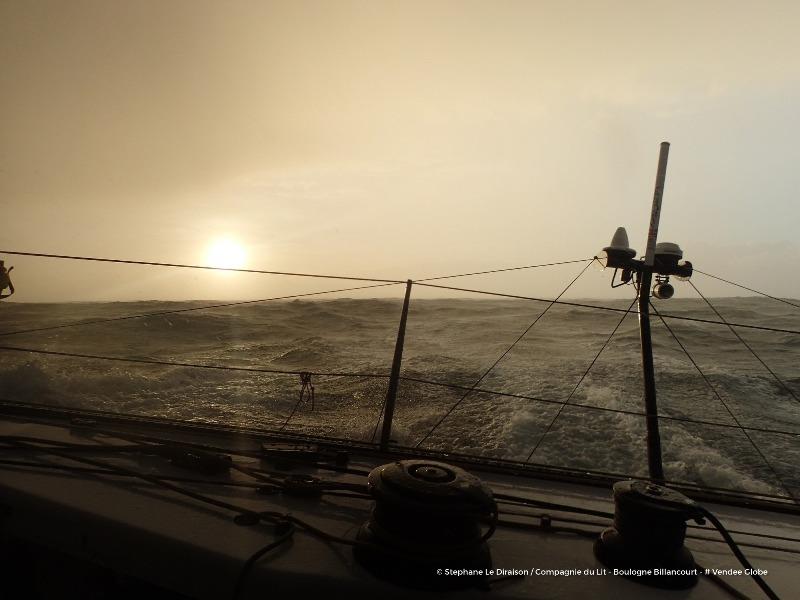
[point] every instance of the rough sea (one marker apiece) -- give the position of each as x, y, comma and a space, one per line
452, 341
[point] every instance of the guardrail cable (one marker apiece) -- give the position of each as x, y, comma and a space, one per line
191, 309
167, 363
203, 267
244, 302
386, 376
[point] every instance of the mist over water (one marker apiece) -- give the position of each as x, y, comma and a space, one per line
450, 341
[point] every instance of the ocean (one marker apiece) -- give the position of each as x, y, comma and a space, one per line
452, 341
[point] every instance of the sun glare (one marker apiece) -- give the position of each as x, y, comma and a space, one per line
226, 254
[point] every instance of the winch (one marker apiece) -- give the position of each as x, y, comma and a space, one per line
648, 534
426, 522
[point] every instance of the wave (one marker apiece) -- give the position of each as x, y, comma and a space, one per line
453, 341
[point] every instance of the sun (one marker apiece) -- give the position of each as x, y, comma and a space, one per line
226, 254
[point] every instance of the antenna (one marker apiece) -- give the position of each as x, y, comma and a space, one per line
662, 259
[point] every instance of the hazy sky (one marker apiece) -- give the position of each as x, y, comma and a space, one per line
393, 139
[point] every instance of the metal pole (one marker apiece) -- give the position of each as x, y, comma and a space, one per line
654, 463
394, 378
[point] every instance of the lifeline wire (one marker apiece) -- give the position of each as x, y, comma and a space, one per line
194, 308
183, 266
386, 282
167, 363
725, 404
402, 378
577, 385
228, 304
746, 345
502, 356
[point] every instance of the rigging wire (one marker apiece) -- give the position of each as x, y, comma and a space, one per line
503, 355
746, 345
744, 287
244, 302
386, 282
204, 267
563, 262
580, 381
606, 308
392, 282
725, 404
191, 309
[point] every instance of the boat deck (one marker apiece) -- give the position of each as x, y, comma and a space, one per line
110, 523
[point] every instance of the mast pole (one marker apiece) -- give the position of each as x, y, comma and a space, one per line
645, 277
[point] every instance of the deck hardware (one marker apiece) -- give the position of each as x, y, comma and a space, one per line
427, 517
647, 536
662, 260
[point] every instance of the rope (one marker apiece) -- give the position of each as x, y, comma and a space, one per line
577, 385
306, 387
744, 287
725, 404
738, 553
606, 308
181, 310
183, 266
746, 345
502, 356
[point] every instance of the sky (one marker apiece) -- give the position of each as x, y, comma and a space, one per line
393, 140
